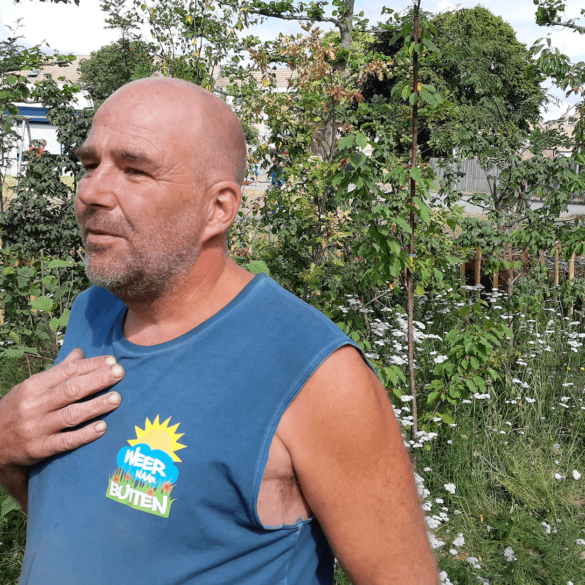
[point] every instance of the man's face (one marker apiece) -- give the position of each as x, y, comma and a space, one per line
137, 205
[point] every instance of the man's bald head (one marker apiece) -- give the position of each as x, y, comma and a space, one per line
204, 124
164, 163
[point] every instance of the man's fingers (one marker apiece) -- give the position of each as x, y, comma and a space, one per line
75, 414
60, 442
76, 354
80, 387
75, 367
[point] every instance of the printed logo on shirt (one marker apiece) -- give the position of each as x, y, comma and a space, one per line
147, 473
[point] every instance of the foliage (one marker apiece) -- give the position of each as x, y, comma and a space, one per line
471, 358
14, 60
41, 216
36, 295
477, 71
114, 65
192, 38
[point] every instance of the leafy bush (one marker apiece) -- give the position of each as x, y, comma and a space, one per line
36, 296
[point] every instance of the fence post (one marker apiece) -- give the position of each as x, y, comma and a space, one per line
478, 265
557, 249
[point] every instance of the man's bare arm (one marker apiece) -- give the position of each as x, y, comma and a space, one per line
349, 457
33, 414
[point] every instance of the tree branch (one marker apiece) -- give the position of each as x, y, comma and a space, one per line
335, 21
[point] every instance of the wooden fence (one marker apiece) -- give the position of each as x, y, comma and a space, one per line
557, 267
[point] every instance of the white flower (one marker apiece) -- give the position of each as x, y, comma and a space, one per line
450, 487
546, 527
580, 541
559, 476
576, 474
406, 398
474, 562
453, 552
459, 541
435, 543
440, 359
509, 555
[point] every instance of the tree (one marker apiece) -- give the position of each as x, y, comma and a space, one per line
194, 38
482, 69
14, 60
114, 65
41, 217
552, 13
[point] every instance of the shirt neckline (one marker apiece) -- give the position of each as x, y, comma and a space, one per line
133, 348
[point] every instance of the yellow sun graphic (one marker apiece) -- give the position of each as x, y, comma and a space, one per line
159, 436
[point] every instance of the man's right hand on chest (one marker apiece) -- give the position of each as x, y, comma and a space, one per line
33, 414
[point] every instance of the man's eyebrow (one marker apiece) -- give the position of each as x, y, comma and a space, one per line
137, 157
127, 155
85, 152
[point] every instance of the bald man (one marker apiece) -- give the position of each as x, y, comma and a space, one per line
245, 437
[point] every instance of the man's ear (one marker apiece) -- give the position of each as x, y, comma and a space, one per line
224, 200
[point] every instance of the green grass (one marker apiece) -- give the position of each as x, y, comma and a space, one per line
505, 483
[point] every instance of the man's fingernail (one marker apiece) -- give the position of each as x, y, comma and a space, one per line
118, 371
101, 427
113, 398
111, 360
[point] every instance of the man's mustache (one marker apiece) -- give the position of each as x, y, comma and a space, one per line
102, 222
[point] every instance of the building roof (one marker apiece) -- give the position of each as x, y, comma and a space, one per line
282, 76
71, 72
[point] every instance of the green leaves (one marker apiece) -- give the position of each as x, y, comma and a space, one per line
59, 264
8, 505
416, 174
43, 304
36, 296
258, 267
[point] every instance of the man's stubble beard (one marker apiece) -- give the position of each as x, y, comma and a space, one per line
157, 262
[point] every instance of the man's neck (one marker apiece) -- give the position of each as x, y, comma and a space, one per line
213, 283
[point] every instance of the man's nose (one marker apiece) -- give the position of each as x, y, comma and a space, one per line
100, 188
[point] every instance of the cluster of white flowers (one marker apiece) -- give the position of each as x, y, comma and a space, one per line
389, 342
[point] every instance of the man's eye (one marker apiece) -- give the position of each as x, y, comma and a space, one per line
90, 167
133, 171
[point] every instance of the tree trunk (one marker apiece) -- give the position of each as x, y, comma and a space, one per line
324, 145
346, 32
410, 275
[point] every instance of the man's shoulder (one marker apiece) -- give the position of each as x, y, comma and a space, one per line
285, 306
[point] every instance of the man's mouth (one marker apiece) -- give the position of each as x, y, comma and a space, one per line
101, 237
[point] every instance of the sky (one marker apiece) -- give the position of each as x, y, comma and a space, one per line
80, 29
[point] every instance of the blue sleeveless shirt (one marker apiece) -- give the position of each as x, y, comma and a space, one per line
168, 495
